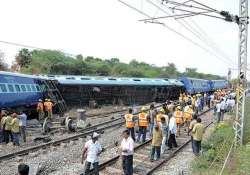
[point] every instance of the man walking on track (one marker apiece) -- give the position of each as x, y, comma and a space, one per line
127, 149
91, 152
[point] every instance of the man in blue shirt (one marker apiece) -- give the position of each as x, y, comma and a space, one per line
23, 123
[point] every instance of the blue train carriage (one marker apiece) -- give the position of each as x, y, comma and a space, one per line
219, 84
194, 85
19, 91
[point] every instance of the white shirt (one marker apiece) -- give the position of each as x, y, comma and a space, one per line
172, 125
23, 119
93, 149
223, 105
218, 106
127, 144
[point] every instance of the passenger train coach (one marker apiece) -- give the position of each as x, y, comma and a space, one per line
24, 91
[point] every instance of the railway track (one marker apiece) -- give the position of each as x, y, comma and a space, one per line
114, 122
142, 163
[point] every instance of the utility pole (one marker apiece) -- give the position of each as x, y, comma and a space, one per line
242, 70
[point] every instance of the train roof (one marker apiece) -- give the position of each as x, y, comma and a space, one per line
193, 78
21, 75
98, 80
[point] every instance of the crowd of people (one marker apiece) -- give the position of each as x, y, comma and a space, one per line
163, 126
13, 124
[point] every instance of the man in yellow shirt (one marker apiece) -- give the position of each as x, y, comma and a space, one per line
7, 129
197, 133
15, 129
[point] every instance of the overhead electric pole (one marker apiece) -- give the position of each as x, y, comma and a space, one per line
242, 74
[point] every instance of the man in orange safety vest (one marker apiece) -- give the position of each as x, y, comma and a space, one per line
130, 123
143, 121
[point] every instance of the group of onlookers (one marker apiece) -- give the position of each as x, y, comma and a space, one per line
12, 126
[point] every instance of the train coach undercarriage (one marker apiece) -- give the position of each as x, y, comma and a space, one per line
82, 95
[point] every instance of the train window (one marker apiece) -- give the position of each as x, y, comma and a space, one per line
111, 79
23, 88
38, 88
33, 88
11, 88
136, 79
28, 87
3, 88
17, 88
70, 78
85, 78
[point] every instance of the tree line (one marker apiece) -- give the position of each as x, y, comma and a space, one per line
56, 62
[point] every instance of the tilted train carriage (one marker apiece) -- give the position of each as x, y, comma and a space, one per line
23, 91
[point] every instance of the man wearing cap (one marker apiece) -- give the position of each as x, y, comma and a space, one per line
91, 152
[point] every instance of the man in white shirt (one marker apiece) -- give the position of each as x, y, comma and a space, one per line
22, 123
222, 108
127, 151
172, 132
91, 152
218, 111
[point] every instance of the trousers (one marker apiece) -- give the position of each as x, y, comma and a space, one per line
23, 132
127, 164
196, 147
172, 141
8, 136
142, 132
132, 132
16, 139
157, 150
95, 167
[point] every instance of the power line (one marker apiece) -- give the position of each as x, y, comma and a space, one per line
202, 38
171, 29
189, 28
29, 46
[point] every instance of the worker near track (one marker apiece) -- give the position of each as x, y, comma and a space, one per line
48, 105
130, 123
156, 142
40, 109
160, 115
2, 124
127, 151
143, 121
164, 128
172, 132
152, 115
188, 115
178, 114
191, 126
197, 133
91, 152
23, 123
15, 130
7, 129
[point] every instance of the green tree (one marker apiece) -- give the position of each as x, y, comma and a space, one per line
23, 59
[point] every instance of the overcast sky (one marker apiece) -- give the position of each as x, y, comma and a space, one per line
107, 29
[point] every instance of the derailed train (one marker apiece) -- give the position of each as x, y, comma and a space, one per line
19, 90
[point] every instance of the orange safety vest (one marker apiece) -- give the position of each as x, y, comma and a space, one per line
48, 106
129, 120
178, 117
143, 121
39, 106
188, 114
